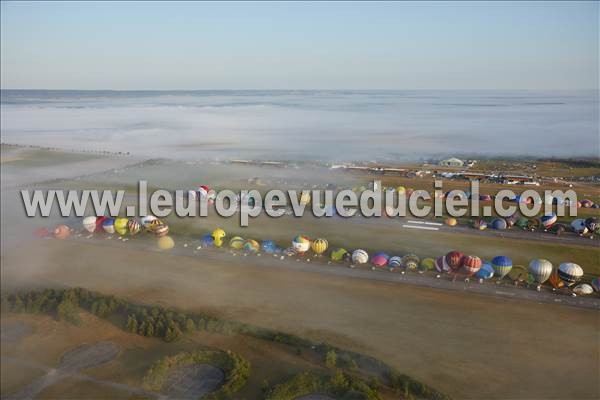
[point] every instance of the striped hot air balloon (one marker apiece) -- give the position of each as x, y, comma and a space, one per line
480, 224
301, 244
380, 259
454, 260
570, 273
339, 254
541, 270
440, 265
360, 256
319, 246
160, 230
395, 262
502, 266
236, 243
133, 226
471, 264
410, 261
548, 220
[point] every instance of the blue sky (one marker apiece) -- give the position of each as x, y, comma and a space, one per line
302, 45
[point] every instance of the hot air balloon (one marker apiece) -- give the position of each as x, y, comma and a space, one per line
165, 243
511, 220
410, 261
207, 240
203, 191
596, 284
236, 243
380, 259
579, 227
533, 224
548, 220
62, 232
360, 256
485, 272
339, 254
480, 224
268, 246
109, 225
395, 262
89, 224
99, 221
148, 220
305, 198
555, 280
521, 222
301, 244
499, 223
41, 233
251, 246
592, 224
541, 270
121, 226
218, 236
586, 203
427, 264
471, 264
133, 226
583, 289
319, 246
454, 260
485, 197
440, 265
570, 273
558, 229
502, 265
160, 230
451, 221
518, 273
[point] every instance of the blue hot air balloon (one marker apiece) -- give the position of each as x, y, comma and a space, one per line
502, 265
486, 271
268, 246
208, 240
499, 223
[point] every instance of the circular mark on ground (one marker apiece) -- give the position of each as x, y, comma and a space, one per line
14, 331
193, 381
315, 396
88, 355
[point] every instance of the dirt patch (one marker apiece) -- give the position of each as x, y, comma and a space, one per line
14, 331
193, 381
87, 356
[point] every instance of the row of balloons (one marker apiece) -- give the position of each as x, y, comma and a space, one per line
584, 227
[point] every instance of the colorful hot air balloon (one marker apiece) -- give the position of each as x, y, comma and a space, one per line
251, 246
89, 224
236, 243
541, 270
480, 224
268, 246
579, 226
133, 226
218, 236
207, 240
301, 244
555, 280
502, 265
586, 203
592, 224
305, 198
548, 220
512, 219
360, 256
440, 265
410, 261
148, 220
521, 222
583, 289
109, 225
451, 221
160, 230
319, 246
121, 226
499, 223
558, 229
395, 262
380, 259
62, 232
41, 233
99, 221
485, 272
339, 254
454, 260
570, 273
471, 264
165, 243
596, 284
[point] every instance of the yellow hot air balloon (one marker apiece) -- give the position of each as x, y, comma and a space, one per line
121, 226
218, 235
166, 243
401, 189
451, 221
339, 254
319, 246
236, 243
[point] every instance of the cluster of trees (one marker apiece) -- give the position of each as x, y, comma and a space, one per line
235, 368
410, 388
339, 385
